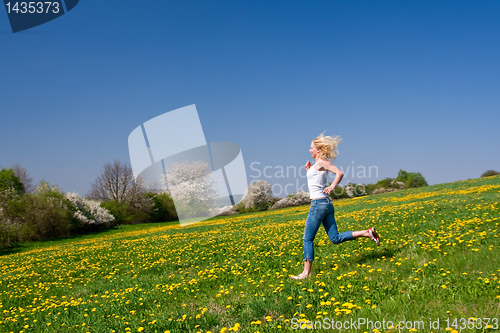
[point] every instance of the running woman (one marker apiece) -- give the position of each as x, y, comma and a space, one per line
324, 149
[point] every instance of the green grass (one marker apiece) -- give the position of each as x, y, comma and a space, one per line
439, 258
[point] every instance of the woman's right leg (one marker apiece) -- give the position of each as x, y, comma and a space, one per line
310, 230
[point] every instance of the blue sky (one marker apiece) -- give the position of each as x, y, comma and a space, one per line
407, 85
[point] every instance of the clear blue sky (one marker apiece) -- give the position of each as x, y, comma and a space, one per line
407, 85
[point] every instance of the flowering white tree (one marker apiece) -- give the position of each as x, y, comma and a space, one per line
258, 193
191, 187
349, 188
89, 211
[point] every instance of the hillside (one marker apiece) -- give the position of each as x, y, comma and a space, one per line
439, 258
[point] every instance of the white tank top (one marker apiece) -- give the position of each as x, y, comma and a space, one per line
316, 181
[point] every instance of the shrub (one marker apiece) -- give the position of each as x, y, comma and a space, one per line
385, 183
351, 190
383, 190
47, 214
120, 210
397, 185
164, 208
226, 211
338, 193
258, 196
130, 213
241, 209
87, 213
294, 199
369, 188
12, 209
489, 173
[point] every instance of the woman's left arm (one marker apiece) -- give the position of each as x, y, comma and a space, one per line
338, 175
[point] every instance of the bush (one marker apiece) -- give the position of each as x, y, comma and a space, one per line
120, 210
383, 190
130, 213
240, 208
351, 190
385, 183
354, 190
338, 193
12, 209
226, 211
292, 200
164, 208
369, 188
47, 214
258, 196
489, 173
87, 213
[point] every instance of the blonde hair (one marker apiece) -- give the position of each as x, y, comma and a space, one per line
327, 146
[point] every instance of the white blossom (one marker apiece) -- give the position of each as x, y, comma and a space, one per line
294, 199
349, 189
89, 211
257, 193
191, 188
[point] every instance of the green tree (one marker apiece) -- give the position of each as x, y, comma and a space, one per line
9, 179
47, 214
164, 208
489, 173
411, 179
385, 183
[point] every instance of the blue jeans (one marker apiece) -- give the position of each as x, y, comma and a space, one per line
322, 211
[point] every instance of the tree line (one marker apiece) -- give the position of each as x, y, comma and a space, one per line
117, 197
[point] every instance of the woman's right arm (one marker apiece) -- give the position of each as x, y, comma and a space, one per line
338, 175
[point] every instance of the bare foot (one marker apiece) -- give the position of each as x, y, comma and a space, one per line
300, 276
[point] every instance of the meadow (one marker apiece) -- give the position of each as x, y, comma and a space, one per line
438, 259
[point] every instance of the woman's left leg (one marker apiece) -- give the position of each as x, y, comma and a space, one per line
330, 226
